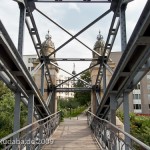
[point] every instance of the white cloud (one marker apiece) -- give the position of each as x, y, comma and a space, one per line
74, 6
62, 14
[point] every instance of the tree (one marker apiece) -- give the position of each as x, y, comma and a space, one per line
83, 97
7, 103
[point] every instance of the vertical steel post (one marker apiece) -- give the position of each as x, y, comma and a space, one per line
21, 28
41, 136
53, 102
125, 96
123, 27
126, 118
30, 117
16, 118
42, 80
113, 107
104, 79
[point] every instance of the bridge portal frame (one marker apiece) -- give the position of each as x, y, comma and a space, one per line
118, 7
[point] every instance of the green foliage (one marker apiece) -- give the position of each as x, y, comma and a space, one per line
83, 98
7, 104
65, 104
73, 112
140, 127
74, 106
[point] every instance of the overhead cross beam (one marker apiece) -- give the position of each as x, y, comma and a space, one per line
74, 1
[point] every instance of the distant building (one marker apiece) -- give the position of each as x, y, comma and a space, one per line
139, 98
69, 84
29, 60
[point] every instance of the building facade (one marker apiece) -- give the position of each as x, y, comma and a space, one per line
29, 60
69, 84
139, 98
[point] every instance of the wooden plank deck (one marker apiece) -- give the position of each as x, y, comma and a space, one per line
73, 134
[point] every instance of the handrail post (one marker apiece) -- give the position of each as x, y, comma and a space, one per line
113, 106
126, 119
16, 118
30, 118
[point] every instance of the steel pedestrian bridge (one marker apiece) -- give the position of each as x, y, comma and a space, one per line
132, 67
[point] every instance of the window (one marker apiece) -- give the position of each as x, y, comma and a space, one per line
136, 96
149, 106
148, 78
148, 88
137, 86
137, 106
31, 60
32, 68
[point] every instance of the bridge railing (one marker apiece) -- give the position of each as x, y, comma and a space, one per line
33, 136
110, 137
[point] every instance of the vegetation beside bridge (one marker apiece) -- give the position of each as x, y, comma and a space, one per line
139, 126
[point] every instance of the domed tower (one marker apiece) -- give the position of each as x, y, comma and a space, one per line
99, 48
47, 48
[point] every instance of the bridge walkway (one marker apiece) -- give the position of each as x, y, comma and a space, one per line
73, 134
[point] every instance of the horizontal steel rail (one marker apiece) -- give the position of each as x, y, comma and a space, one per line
35, 135
110, 136
73, 89
74, 59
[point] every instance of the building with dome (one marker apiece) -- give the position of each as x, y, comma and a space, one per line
47, 48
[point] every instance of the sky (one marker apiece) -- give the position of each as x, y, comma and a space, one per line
73, 17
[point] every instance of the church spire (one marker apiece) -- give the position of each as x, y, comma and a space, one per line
74, 72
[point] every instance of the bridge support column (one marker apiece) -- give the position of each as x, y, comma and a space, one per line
123, 27
113, 106
94, 72
30, 117
21, 28
16, 118
53, 103
93, 102
42, 79
126, 118
104, 79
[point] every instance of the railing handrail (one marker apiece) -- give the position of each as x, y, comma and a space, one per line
24, 128
125, 133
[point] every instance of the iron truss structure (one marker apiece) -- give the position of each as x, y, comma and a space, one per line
133, 65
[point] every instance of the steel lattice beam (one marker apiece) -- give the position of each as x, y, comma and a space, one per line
13, 65
133, 65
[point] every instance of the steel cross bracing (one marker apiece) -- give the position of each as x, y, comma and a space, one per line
33, 31
133, 65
